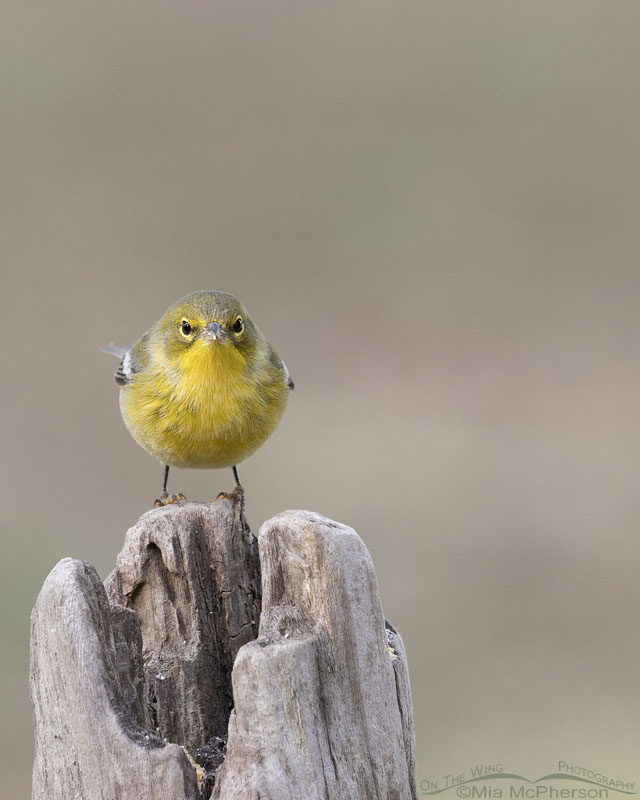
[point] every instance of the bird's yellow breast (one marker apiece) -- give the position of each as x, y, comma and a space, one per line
208, 408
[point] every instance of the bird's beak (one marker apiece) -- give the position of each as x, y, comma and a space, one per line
215, 331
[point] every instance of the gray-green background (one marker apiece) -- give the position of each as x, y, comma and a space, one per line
432, 211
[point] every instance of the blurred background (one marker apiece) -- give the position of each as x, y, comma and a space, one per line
431, 210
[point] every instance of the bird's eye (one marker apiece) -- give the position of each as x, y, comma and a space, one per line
238, 325
185, 327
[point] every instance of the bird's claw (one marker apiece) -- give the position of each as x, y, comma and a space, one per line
166, 499
236, 495
237, 498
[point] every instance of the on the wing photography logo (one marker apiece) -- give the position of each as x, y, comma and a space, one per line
491, 782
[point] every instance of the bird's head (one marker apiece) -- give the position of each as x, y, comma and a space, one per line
208, 325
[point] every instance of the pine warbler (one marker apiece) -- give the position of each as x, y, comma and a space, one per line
202, 388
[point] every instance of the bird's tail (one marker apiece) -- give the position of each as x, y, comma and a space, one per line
112, 350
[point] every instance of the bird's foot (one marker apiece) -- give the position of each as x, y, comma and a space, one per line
237, 495
237, 498
166, 499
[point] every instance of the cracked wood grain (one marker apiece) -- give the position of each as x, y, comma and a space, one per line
192, 575
88, 744
322, 698
126, 681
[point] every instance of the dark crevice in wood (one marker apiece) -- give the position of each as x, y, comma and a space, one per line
192, 625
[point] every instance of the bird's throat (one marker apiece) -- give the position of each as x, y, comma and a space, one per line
210, 367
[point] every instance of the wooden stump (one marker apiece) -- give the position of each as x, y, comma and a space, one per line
136, 689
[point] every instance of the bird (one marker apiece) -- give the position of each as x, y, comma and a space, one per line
202, 388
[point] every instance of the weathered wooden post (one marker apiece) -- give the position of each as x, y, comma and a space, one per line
214, 665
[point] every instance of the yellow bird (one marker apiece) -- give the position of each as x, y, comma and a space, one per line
202, 388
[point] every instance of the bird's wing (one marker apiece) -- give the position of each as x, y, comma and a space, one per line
125, 367
287, 375
133, 359
279, 364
